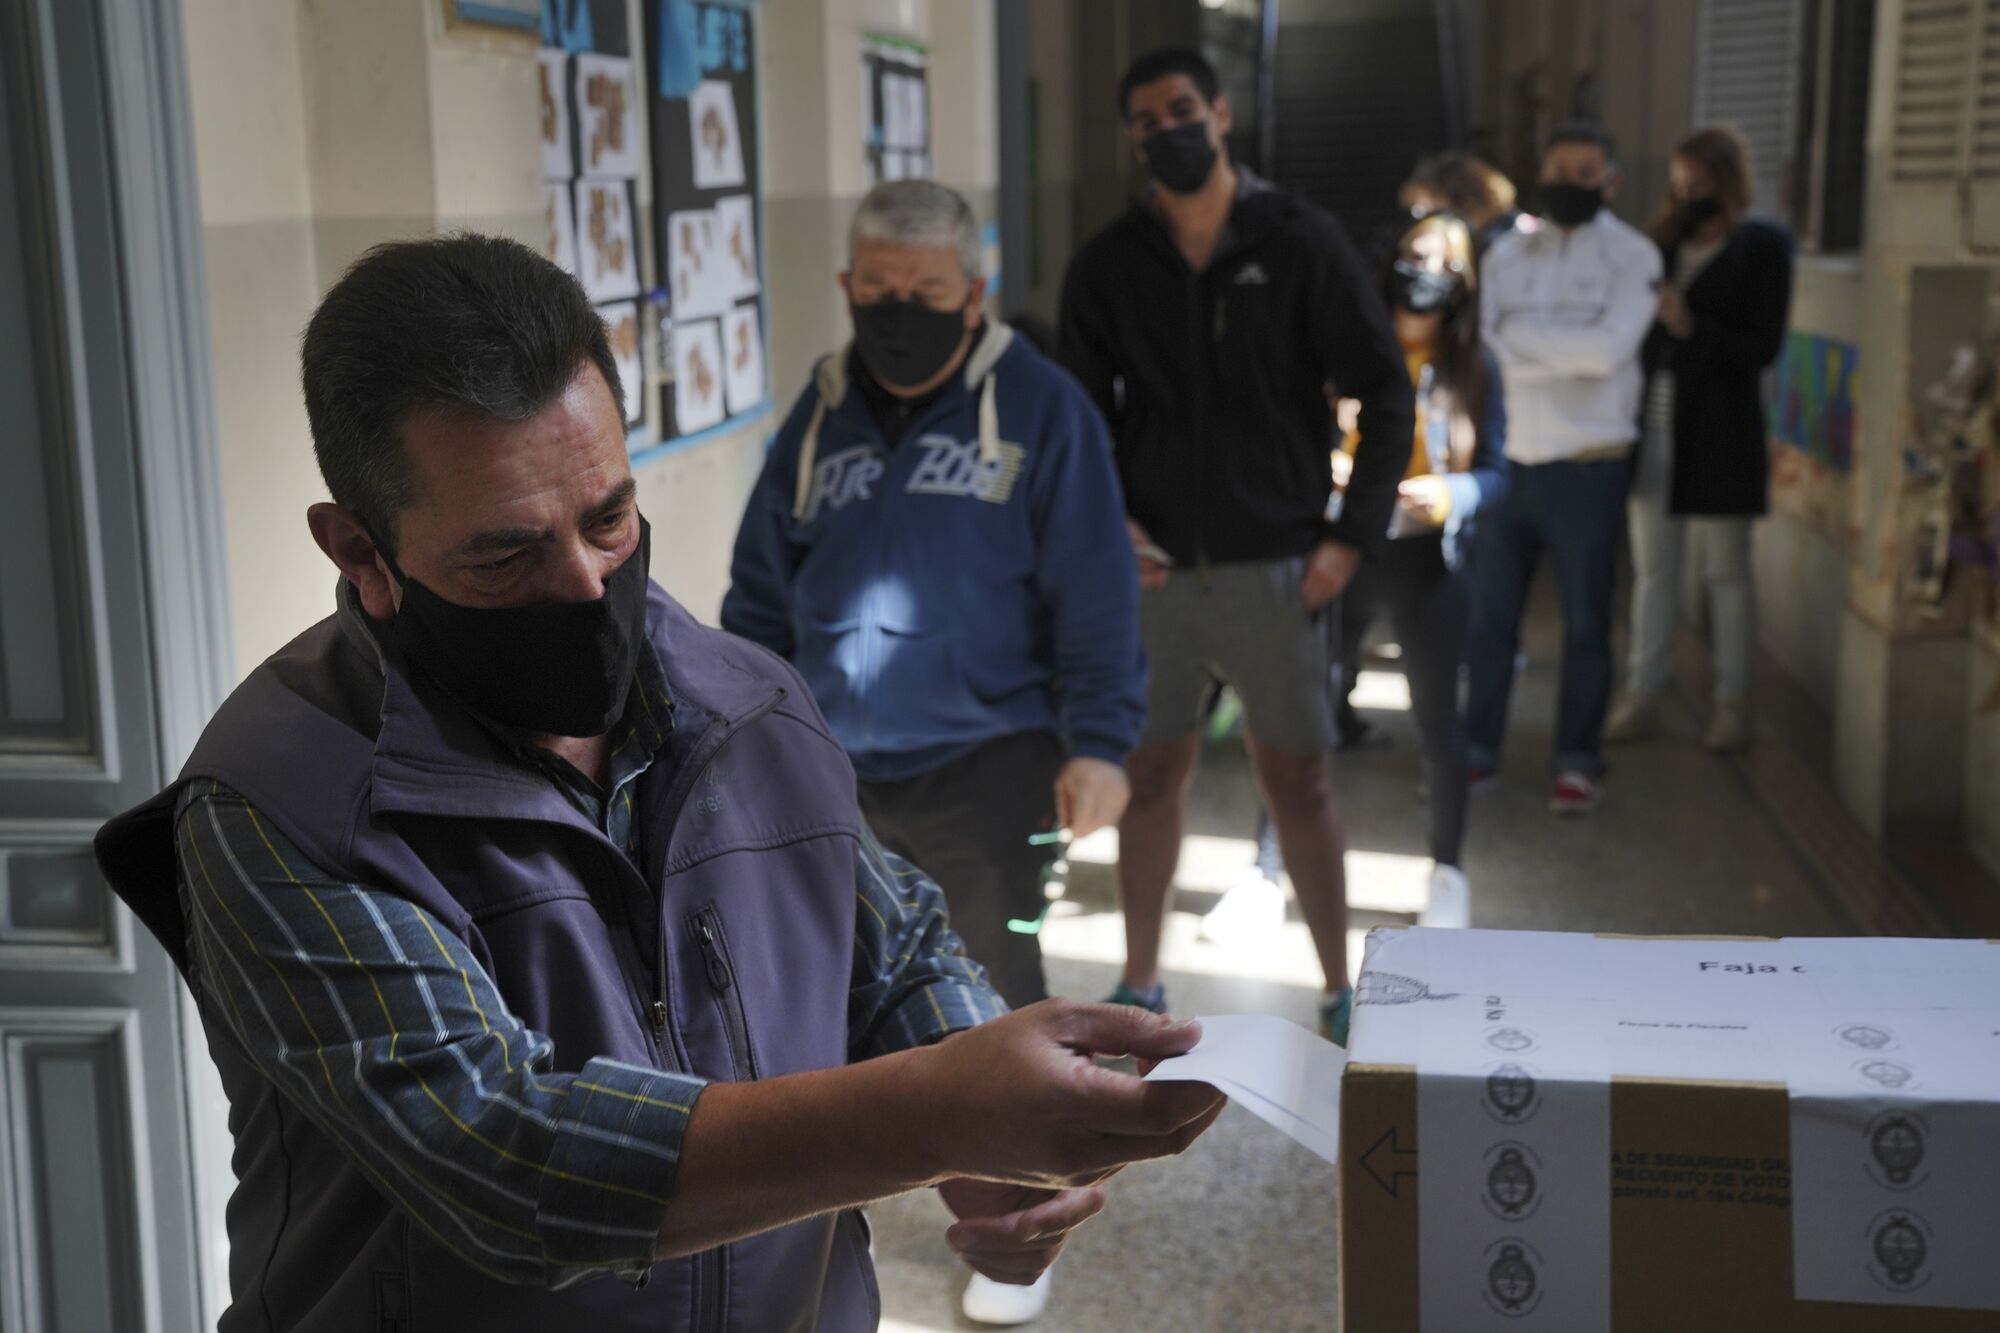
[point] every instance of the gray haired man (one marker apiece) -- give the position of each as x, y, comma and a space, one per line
938, 544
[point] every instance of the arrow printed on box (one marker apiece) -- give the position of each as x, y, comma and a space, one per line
1389, 1161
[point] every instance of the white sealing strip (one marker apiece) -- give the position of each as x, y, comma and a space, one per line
1895, 1115
1514, 1166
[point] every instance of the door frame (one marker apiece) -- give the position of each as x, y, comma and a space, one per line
172, 378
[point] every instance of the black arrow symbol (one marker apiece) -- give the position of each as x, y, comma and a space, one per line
1397, 1162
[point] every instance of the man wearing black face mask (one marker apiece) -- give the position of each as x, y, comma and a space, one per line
534, 926
1210, 322
936, 543
1565, 310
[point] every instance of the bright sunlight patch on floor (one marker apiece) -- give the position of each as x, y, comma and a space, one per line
1386, 690
1376, 881
1285, 957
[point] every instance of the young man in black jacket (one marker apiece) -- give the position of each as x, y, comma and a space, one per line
1211, 323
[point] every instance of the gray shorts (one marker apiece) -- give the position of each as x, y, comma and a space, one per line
1240, 625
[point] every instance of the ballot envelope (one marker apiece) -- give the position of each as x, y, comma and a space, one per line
1579, 1132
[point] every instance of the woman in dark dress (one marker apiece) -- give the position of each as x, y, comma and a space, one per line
1702, 475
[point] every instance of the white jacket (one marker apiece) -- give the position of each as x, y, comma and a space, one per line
1565, 313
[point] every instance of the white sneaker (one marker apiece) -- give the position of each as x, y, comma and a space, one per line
1251, 910
1451, 900
1003, 1303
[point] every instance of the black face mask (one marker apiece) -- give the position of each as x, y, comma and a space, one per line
1693, 213
905, 343
1419, 290
554, 669
1569, 205
1181, 159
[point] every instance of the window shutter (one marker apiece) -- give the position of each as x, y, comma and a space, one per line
1986, 95
1936, 62
1746, 75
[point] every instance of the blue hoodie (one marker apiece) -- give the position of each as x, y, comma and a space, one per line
972, 582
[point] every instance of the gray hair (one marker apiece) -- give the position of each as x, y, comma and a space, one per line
918, 213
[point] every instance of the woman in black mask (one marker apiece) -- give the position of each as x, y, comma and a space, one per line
1456, 467
1702, 467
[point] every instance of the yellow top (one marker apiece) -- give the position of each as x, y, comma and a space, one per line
1420, 452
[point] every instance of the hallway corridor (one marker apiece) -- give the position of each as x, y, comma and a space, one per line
1240, 1232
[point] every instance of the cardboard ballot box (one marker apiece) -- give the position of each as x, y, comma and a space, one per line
1576, 1132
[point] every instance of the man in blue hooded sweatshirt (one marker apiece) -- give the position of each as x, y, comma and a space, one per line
938, 544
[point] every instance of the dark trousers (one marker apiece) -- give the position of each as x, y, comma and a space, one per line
1576, 511
966, 825
1357, 606
1430, 610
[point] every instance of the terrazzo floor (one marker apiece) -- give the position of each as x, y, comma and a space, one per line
1239, 1233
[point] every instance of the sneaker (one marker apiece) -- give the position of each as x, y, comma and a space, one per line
1451, 900
1479, 780
1636, 718
1250, 911
1154, 999
1004, 1304
1336, 1016
1575, 795
1729, 729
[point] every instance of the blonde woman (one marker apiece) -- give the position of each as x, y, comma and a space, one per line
1702, 470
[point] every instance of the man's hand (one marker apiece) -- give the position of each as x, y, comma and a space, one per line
1152, 573
1012, 1233
1090, 795
1329, 569
1021, 1100
1674, 315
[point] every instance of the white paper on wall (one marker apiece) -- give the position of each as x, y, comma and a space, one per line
552, 96
621, 325
698, 387
743, 359
607, 256
716, 143
700, 282
896, 127
917, 90
736, 242
607, 112
559, 220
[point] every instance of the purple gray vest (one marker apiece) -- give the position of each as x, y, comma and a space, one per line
747, 813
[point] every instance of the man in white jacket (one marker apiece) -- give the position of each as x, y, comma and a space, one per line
1565, 309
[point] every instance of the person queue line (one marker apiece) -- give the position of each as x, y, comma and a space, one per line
602, 966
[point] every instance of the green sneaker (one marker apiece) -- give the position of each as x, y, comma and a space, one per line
1336, 1016
1154, 999
1227, 719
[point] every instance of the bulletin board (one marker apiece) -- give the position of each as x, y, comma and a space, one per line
895, 109
707, 215
590, 92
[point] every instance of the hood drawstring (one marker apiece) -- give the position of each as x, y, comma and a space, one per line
989, 421
831, 382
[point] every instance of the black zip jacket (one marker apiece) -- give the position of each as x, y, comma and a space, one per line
1216, 383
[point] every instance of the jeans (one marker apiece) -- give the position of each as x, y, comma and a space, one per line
1723, 547
1576, 511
